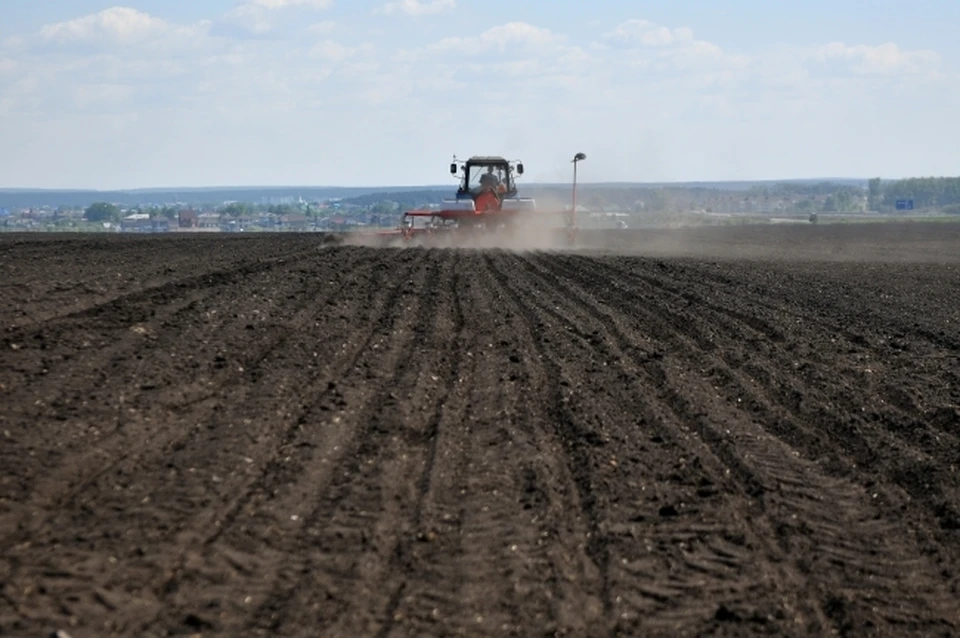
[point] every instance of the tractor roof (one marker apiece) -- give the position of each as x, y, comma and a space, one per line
485, 160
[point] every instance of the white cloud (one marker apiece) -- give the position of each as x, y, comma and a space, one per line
649, 34
510, 36
702, 55
417, 7
114, 25
258, 15
648, 45
884, 58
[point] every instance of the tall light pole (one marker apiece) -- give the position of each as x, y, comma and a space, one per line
579, 157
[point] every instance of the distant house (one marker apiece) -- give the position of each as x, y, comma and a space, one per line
188, 219
208, 220
136, 223
141, 223
237, 224
294, 222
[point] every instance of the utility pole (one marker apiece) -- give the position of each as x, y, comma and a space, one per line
572, 223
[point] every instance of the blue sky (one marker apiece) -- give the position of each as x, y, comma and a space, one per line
279, 92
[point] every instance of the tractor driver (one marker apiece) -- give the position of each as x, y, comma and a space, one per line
492, 181
488, 198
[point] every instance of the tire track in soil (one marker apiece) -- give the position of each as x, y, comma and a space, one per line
344, 576
712, 560
798, 300
829, 522
877, 431
685, 280
691, 287
792, 404
680, 416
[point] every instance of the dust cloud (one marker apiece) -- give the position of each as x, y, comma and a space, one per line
540, 229
543, 230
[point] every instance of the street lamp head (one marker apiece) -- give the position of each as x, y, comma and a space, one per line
579, 156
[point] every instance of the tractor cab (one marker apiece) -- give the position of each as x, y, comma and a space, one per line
481, 175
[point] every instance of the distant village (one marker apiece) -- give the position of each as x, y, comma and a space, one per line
274, 214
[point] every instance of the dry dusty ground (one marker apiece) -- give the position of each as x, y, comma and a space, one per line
728, 432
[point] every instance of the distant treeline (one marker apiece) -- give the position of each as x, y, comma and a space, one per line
403, 199
815, 189
926, 192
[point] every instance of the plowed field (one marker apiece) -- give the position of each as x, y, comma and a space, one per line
744, 431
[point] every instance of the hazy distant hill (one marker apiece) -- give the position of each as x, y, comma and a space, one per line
13, 198
22, 198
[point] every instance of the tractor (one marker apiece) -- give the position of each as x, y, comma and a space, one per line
486, 210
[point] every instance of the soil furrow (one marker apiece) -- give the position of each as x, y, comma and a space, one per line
386, 445
222, 420
796, 401
281, 480
118, 444
681, 494
406, 555
496, 444
147, 297
569, 430
770, 467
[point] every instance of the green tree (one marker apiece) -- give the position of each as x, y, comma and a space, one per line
874, 193
236, 209
843, 201
927, 192
384, 207
102, 212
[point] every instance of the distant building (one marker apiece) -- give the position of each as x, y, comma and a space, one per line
208, 220
188, 219
141, 223
294, 222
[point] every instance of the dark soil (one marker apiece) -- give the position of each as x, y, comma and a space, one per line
755, 434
